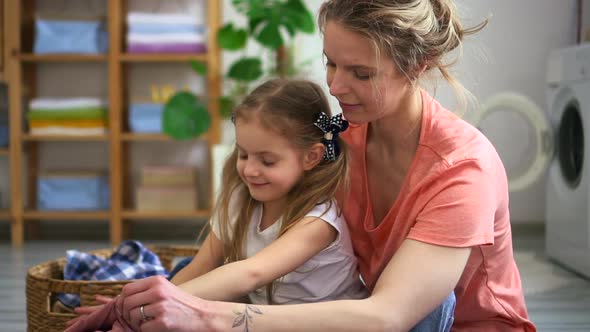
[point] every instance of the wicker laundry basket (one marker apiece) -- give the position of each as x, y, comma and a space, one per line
45, 281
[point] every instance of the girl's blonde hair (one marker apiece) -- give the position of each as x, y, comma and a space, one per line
416, 34
288, 108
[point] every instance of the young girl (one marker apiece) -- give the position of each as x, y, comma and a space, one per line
277, 235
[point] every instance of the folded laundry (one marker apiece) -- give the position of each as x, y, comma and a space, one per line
170, 19
69, 191
68, 131
166, 48
65, 103
70, 36
99, 123
68, 114
139, 28
145, 117
156, 38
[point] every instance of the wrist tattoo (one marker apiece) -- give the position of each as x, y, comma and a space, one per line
244, 318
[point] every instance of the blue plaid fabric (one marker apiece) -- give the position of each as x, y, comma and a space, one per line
131, 260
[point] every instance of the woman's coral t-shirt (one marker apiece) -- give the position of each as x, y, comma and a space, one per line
455, 194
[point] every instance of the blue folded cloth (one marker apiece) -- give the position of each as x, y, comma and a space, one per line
131, 260
151, 28
73, 193
146, 117
75, 36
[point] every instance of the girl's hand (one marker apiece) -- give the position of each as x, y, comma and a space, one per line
87, 310
165, 307
98, 317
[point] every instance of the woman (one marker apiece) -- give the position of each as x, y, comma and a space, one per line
428, 207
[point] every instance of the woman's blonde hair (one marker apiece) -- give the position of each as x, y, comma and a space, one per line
288, 108
416, 34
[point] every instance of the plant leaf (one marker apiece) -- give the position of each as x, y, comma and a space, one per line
270, 36
199, 67
226, 106
296, 12
246, 69
185, 117
231, 38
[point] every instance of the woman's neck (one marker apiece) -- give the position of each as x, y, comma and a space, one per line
400, 130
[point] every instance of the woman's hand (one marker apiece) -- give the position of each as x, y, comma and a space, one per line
165, 307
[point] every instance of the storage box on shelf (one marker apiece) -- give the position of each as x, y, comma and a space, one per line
20, 33
167, 188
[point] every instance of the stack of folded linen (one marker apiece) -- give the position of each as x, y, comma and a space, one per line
73, 190
165, 33
146, 117
68, 116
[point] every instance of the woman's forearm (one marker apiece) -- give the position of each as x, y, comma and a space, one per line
342, 316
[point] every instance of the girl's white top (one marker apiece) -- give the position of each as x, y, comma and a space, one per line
332, 274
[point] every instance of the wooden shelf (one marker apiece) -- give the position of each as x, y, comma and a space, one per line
4, 214
153, 137
4, 151
163, 57
67, 215
27, 57
133, 214
67, 138
24, 81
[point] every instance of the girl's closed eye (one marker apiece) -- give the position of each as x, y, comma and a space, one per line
268, 162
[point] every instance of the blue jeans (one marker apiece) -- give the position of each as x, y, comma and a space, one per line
441, 319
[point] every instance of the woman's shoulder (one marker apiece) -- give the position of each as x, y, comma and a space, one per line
453, 139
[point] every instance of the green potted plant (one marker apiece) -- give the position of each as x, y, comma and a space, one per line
271, 24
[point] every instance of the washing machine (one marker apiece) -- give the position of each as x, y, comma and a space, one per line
568, 182
561, 153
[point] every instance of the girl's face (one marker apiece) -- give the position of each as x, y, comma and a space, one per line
365, 90
267, 162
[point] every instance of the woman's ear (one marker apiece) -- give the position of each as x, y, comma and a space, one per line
313, 156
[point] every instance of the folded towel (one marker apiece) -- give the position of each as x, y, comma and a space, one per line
166, 48
165, 28
73, 191
170, 19
68, 114
99, 123
145, 117
65, 103
163, 38
131, 260
68, 131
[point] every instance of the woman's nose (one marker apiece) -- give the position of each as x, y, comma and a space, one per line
337, 83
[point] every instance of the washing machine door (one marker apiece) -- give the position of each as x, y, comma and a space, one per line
511, 108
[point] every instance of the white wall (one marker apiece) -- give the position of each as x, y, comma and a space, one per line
510, 54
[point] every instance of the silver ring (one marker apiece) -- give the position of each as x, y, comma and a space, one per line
143, 315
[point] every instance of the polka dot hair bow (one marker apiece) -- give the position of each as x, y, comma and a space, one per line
331, 126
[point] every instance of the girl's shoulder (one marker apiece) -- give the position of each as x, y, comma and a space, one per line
328, 212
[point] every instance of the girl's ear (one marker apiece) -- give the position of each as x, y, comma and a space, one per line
313, 156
